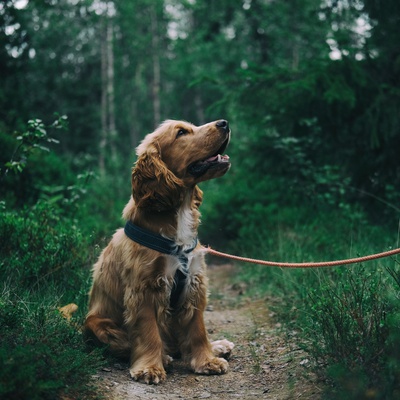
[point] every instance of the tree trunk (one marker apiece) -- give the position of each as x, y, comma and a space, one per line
135, 114
103, 138
112, 130
156, 67
199, 108
108, 126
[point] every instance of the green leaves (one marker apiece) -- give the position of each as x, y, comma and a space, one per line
31, 140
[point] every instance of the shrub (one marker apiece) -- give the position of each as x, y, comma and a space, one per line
43, 260
39, 245
22, 185
41, 354
346, 318
352, 325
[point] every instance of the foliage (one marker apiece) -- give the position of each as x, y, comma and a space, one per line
39, 244
35, 144
30, 140
346, 318
354, 314
43, 266
42, 355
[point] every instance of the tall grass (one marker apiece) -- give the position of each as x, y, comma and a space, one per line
42, 356
347, 318
43, 266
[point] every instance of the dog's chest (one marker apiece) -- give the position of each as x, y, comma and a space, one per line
193, 266
183, 278
183, 268
185, 231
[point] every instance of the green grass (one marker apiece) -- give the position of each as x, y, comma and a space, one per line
44, 265
348, 317
42, 355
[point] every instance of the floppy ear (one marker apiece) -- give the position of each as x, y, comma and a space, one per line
197, 197
154, 186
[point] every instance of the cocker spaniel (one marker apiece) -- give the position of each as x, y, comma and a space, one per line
149, 285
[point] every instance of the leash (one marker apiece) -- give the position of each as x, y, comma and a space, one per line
322, 264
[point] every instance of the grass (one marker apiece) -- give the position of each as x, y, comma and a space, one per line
348, 317
42, 355
43, 267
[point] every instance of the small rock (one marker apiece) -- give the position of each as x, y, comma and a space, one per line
105, 369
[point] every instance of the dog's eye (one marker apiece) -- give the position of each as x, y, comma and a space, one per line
181, 132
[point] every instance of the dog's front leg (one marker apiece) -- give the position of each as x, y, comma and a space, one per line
147, 348
197, 347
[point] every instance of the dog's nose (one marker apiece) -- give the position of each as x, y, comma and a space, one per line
223, 125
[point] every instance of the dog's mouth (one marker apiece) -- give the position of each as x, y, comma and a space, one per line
215, 161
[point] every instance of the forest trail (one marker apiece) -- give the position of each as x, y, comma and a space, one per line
264, 363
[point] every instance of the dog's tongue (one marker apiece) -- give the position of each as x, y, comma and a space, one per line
211, 159
218, 158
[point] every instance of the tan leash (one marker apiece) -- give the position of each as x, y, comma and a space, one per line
370, 257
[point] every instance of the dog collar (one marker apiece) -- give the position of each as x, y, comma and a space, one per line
156, 242
159, 243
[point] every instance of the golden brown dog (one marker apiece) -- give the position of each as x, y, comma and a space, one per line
149, 285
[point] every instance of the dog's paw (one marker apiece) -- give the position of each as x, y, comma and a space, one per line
149, 375
212, 366
167, 360
222, 348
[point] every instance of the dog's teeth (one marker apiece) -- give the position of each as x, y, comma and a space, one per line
219, 157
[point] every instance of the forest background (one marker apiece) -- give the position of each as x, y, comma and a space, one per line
311, 91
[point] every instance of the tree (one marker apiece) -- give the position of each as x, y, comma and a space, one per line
108, 126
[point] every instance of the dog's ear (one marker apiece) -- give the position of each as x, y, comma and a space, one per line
197, 197
154, 186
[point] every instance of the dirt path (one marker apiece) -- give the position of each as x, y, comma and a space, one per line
264, 365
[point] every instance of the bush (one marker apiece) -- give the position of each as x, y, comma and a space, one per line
346, 318
41, 354
22, 185
352, 328
40, 245
43, 265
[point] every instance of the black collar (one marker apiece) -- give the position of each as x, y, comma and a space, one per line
156, 242
163, 245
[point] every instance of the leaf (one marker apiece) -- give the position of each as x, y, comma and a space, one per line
38, 146
52, 140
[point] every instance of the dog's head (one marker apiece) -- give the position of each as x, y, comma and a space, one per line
175, 156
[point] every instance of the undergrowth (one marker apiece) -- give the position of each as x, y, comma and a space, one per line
45, 260
347, 318
43, 267
41, 354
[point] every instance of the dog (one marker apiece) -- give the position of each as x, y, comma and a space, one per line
149, 288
